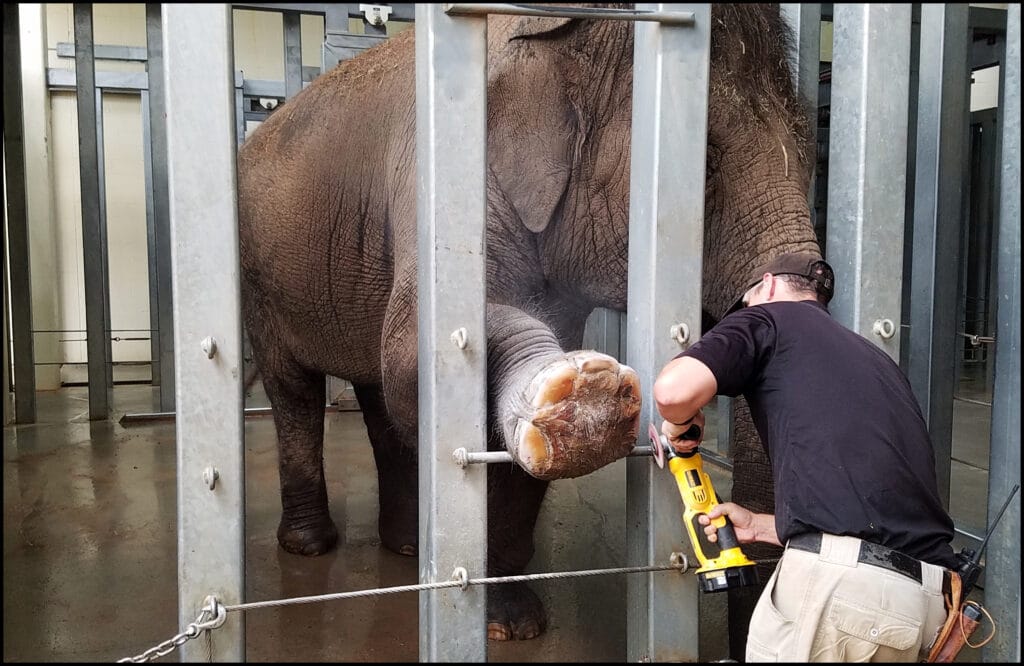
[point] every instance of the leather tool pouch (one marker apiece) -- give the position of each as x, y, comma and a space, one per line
958, 627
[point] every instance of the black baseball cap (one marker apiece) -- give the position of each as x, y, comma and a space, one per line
803, 264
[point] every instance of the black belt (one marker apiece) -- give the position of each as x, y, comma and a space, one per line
870, 553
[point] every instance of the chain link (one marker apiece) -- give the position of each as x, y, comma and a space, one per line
211, 616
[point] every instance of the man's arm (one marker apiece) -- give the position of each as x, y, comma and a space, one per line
682, 389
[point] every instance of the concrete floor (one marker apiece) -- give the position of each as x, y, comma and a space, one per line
90, 544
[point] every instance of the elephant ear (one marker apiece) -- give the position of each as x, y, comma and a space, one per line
532, 126
538, 26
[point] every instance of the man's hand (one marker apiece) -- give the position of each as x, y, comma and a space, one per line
673, 432
749, 526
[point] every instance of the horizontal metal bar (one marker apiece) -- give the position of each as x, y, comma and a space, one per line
300, 7
467, 9
142, 417
464, 457
82, 330
973, 402
106, 52
403, 11
107, 81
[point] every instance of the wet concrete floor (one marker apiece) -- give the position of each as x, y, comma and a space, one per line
90, 553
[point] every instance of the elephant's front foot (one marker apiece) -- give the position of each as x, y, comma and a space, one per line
579, 413
306, 536
514, 612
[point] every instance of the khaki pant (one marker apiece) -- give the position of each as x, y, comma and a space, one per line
828, 607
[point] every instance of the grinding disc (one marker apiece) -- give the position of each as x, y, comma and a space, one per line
657, 452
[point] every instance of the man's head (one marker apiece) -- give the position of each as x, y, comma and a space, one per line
795, 276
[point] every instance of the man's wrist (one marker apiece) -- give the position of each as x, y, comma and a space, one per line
687, 421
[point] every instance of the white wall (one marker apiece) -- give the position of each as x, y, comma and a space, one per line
55, 196
124, 187
42, 229
5, 305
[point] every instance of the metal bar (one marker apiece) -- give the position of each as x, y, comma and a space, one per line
993, 288
161, 222
400, 11
154, 291
105, 52
16, 206
867, 159
667, 17
240, 123
1003, 557
941, 113
300, 7
93, 236
292, 53
101, 179
146, 417
603, 332
199, 82
451, 110
804, 19
908, 197
666, 222
64, 79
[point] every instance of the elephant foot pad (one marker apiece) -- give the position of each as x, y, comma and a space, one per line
581, 412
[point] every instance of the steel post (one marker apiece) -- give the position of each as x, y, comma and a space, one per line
201, 149
154, 292
804, 19
867, 167
451, 158
93, 233
666, 222
16, 209
938, 182
1002, 594
161, 224
292, 53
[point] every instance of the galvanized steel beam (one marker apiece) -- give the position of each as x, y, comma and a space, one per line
161, 223
941, 116
94, 248
867, 167
451, 112
200, 104
16, 209
666, 222
804, 19
1002, 594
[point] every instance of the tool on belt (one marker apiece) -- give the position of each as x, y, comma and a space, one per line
723, 564
964, 616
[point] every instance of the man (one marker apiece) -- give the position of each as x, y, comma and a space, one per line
856, 500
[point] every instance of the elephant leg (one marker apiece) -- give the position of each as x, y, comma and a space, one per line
750, 465
397, 478
514, 499
297, 397
562, 414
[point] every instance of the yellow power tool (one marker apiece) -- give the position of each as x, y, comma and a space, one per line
723, 564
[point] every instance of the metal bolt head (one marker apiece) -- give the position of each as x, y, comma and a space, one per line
460, 337
209, 346
680, 333
884, 328
210, 476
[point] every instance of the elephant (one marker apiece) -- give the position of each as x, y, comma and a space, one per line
327, 229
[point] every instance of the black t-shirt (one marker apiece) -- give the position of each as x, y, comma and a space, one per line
849, 448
